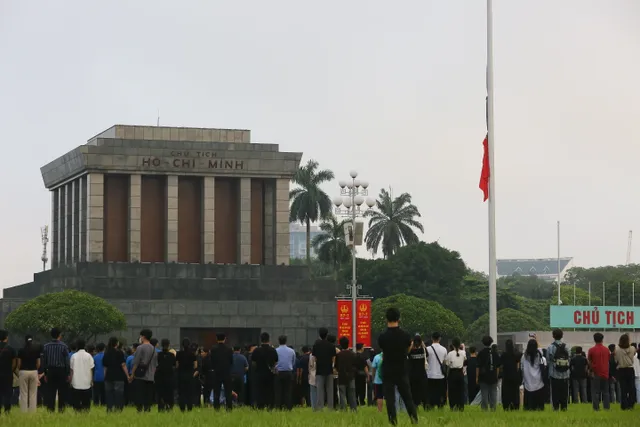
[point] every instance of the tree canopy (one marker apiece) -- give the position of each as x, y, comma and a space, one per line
309, 203
330, 245
392, 224
417, 316
509, 320
77, 314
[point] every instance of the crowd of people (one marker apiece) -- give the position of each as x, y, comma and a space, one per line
404, 372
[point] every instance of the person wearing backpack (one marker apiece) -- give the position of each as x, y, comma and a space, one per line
559, 371
487, 374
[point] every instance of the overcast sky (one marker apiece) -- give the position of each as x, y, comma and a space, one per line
395, 90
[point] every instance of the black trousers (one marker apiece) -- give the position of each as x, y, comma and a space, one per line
207, 388
626, 379
164, 394
186, 391
144, 393
99, 394
218, 383
534, 400
6, 392
81, 399
361, 389
419, 390
389, 385
455, 382
57, 384
559, 394
305, 391
283, 390
237, 385
437, 392
511, 394
264, 390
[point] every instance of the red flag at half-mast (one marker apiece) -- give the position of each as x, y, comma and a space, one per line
486, 169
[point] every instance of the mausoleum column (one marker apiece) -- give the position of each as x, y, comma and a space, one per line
172, 218
282, 222
208, 219
269, 221
95, 223
245, 221
135, 203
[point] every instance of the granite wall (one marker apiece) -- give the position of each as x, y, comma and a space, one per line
167, 297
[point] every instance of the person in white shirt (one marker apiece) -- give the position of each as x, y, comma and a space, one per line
456, 360
82, 365
636, 369
437, 384
532, 364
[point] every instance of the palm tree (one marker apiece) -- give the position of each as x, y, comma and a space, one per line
392, 224
309, 202
330, 245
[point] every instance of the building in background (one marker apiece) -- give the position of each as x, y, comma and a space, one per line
544, 268
298, 240
183, 230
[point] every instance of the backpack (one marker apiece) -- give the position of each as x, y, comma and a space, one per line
561, 358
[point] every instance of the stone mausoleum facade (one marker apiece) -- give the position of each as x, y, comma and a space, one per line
186, 230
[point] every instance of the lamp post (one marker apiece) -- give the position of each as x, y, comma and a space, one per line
352, 197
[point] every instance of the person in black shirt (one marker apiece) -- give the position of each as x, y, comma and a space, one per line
362, 371
8, 364
263, 362
302, 375
395, 344
346, 367
472, 366
325, 354
487, 374
222, 361
578, 366
511, 377
187, 366
206, 376
28, 365
164, 377
418, 372
115, 376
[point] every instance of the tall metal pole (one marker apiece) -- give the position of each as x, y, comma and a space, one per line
589, 293
633, 294
493, 310
559, 300
604, 296
354, 289
618, 294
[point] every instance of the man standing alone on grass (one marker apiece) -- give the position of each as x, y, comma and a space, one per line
559, 373
395, 345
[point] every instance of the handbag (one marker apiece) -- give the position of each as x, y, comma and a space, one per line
443, 367
141, 370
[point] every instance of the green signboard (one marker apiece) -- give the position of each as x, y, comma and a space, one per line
590, 317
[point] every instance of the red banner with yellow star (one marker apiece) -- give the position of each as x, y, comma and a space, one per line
363, 321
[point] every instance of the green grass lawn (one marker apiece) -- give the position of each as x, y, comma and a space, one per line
578, 415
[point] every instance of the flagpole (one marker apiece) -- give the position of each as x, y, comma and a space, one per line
559, 300
493, 320
589, 293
